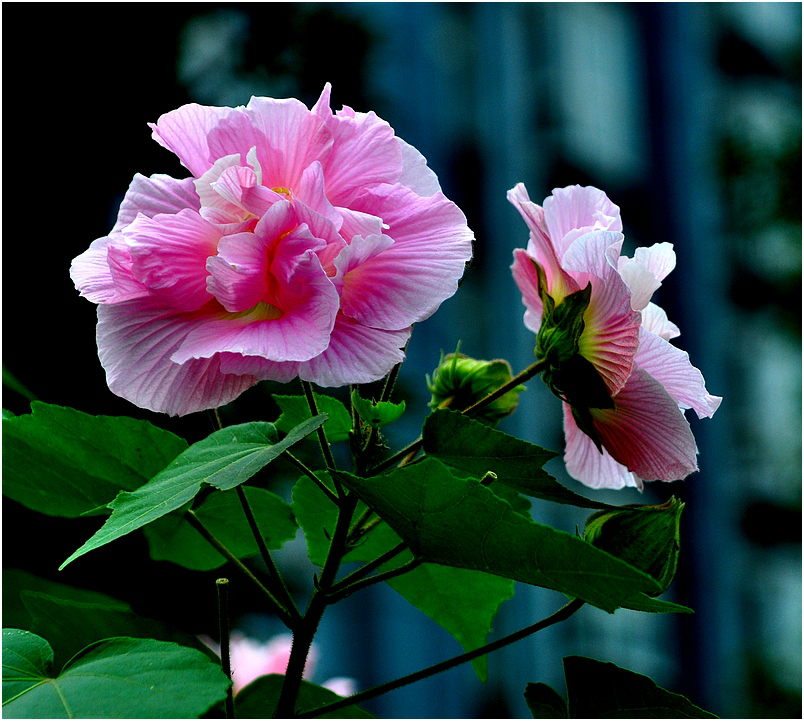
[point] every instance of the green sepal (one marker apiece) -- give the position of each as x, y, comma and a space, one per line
377, 413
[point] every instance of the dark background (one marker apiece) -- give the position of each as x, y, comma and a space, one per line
687, 115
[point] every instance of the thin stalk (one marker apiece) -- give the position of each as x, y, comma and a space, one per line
335, 596
312, 476
562, 614
326, 451
279, 584
368, 568
280, 610
223, 625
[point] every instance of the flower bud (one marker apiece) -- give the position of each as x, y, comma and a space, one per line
459, 382
647, 537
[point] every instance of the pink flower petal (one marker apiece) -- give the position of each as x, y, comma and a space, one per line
646, 431
527, 280
659, 259
169, 254
654, 319
357, 223
186, 131
573, 211
135, 342
155, 195
312, 190
585, 463
416, 175
104, 276
644, 272
672, 368
210, 197
356, 354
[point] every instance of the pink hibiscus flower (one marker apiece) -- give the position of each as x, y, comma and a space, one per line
624, 422
306, 243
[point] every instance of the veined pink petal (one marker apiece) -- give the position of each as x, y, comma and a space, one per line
135, 342
102, 279
527, 280
416, 175
672, 368
644, 272
155, 195
312, 191
585, 463
646, 431
655, 320
659, 259
356, 354
169, 254
573, 211
262, 368
357, 223
357, 252
186, 131
210, 197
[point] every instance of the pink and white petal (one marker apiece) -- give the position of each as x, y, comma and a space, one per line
322, 107
356, 354
640, 280
186, 132
291, 137
169, 254
539, 244
416, 175
212, 197
238, 274
527, 280
135, 342
575, 208
357, 252
155, 195
592, 254
95, 279
672, 368
357, 223
585, 463
654, 319
646, 431
258, 367
312, 191
659, 259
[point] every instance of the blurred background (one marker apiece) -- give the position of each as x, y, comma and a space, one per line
688, 115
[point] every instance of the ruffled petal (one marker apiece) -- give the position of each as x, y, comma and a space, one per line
646, 431
672, 368
573, 211
527, 280
155, 195
416, 175
169, 254
313, 191
654, 319
645, 271
585, 463
135, 342
103, 276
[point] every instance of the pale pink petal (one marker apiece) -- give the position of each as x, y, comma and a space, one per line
585, 463
262, 368
312, 190
127, 287
169, 254
540, 247
238, 275
654, 319
672, 368
659, 259
104, 277
527, 280
640, 281
646, 431
357, 252
135, 342
211, 197
356, 354
155, 195
186, 132
357, 223
342, 685
416, 175
570, 212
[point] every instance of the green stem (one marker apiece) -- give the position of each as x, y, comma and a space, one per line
338, 595
326, 451
223, 625
279, 584
562, 614
313, 477
280, 610
368, 568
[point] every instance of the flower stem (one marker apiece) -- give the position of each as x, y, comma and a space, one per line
563, 613
326, 451
223, 625
312, 476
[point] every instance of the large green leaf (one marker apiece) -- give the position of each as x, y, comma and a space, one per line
224, 459
72, 625
646, 604
597, 689
116, 678
63, 462
295, 410
458, 522
172, 538
259, 699
465, 443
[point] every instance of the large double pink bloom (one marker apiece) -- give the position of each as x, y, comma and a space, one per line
306, 243
577, 238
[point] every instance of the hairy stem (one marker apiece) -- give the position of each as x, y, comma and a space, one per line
223, 625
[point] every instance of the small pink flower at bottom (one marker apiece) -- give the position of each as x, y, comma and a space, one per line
607, 346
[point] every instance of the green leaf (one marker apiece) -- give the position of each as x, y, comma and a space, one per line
8, 414
295, 410
172, 538
597, 689
116, 678
465, 443
458, 522
224, 459
63, 462
73, 625
544, 701
377, 413
646, 604
259, 699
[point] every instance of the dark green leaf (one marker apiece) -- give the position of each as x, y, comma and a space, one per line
63, 462
474, 447
116, 678
597, 689
172, 538
646, 604
544, 701
224, 459
458, 522
377, 413
72, 625
295, 410
259, 699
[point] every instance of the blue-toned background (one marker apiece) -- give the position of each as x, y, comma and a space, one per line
689, 117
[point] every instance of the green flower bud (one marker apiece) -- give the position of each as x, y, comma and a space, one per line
459, 382
647, 537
